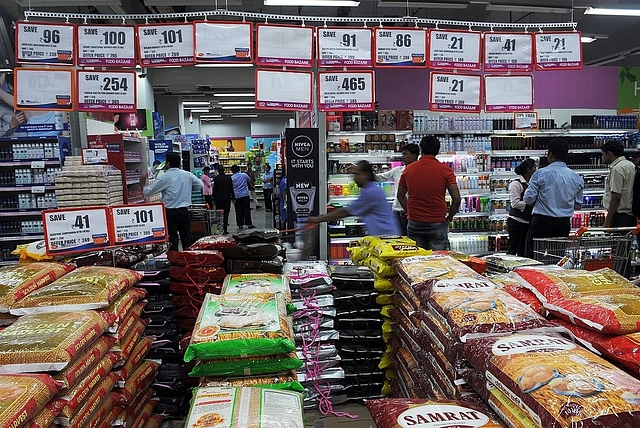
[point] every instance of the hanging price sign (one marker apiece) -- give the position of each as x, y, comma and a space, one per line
165, 44
44, 43
454, 50
400, 48
341, 91
75, 230
283, 90
285, 45
106, 91
455, 92
344, 47
558, 51
138, 224
106, 45
508, 52
40, 89
508, 93
223, 42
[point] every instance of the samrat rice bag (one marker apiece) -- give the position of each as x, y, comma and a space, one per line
425, 270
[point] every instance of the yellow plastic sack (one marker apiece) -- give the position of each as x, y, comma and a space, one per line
383, 284
384, 299
380, 267
397, 250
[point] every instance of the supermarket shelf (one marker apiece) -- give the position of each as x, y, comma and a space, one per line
593, 191
342, 260
592, 210
134, 181
352, 133
133, 161
474, 192
564, 132
343, 199
345, 240
457, 132
19, 187
21, 237
23, 212
27, 162
235, 159
474, 214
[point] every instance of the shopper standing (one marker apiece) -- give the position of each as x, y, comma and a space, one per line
371, 205
242, 184
207, 190
520, 213
618, 186
267, 187
410, 153
175, 186
252, 176
222, 195
555, 193
426, 182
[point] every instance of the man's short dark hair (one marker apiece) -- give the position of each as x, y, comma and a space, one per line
173, 159
367, 168
559, 148
430, 145
614, 147
206, 169
220, 168
414, 149
235, 168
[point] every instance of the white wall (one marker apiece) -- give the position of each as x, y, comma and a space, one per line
227, 128
145, 93
269, 125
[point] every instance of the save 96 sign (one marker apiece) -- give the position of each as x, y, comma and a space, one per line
340, 91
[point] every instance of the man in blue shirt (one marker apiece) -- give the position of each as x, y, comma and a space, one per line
267, 187
175, 186
242, 185
555, 193
372, 205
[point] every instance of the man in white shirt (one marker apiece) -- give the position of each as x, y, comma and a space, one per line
618, 187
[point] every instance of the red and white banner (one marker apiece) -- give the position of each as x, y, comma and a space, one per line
450, 49
285, 45
165, 44
508, 52
406, 47
223, 42
344, 47
558, 51
508, 93
106, 91
283, 90
43, 89
346, 91
45, 43
106, 45
459, 93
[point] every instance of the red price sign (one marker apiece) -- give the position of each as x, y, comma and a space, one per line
76, 230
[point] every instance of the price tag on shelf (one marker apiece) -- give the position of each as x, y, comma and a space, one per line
43, 89
343, 91
94, 156
283, 90
450, 49
455, 92
37, 164
508, 52
527, 120
400, 48
37, 189
108, 90
75, 230
44, 43
138, 224
562, 51
344, 47
165, 44
106, 45
508, 93
285, 45
223, 42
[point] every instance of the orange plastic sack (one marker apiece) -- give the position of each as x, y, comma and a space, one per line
18, 281
23, 396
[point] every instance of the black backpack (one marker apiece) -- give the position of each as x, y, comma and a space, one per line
635, 205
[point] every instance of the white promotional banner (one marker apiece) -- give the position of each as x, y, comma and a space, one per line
455, 92
508, 52
106, 45
223, 42
283, 90
285, 45
45, 43
75, 230
165, 44
343, 90
139, 224
344, 47
508, 93
106, 91
43, 89
449, 49
558, 51
400, 47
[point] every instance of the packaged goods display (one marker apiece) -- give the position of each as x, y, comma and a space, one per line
23, 396
99, 184
16, 282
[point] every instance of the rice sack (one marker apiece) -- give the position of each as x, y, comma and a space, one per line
287, 380
18, 281
214, 242
256, 283
248, 366
425, 270
23, 396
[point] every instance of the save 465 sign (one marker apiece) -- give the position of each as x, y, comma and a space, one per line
339, 91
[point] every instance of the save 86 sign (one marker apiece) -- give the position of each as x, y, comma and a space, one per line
340, 91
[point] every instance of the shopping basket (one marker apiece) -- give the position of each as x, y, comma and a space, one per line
588, 249
200, 223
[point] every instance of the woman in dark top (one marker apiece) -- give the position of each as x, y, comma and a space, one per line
223, 194
520, 213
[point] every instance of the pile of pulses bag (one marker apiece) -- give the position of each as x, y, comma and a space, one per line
75, 347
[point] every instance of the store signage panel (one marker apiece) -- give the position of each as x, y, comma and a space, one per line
508, 52
106, 45
508, 93
455, 92
138, 224
44, 43
94, 156
344, 47
43, 89
75, 230
283, 90
165, 44
400, 48
558, 51
285, 45
106, 91
223, 42
344, 91
525, 120
450, 50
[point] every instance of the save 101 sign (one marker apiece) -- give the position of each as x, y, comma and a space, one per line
139, 224
340, 91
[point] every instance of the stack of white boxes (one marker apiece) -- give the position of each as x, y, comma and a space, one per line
80, 185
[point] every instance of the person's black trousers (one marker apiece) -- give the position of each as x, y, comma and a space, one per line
403, 221
542, 226
225, 206
243, 211
267, 199
624, 220
179, 222
517, 236
208, 199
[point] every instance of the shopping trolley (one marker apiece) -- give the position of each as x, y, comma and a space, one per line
589, 249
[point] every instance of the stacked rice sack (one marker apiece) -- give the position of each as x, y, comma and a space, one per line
258, 251
502, 263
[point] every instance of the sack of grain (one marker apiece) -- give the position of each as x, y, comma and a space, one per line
196, 258
287, 380
23, 396
18, 281
248, 366
425, 270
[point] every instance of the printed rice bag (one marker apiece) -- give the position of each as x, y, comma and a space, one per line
514, 284
47, 415
256, 283
121, 307
139, 381
144, 415
106, 411
82, 417
425, 270
476, 263
356, 255
140, 350
506, 262
197, 274
24, 396
79, 367
383, 284
380, 267
394, 250
372, 240
247, 366
196, 258
306, 274
155, 421
214, 242
287, 380
18, 281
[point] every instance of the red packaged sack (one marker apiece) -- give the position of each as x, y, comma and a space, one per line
197, 274
515, 285
23, 396
214, 242
196, 258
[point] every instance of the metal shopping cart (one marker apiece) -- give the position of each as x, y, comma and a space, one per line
589, 249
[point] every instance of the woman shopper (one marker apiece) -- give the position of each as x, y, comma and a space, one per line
520, 213
207, 190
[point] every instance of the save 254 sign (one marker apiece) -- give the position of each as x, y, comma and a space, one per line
339, 91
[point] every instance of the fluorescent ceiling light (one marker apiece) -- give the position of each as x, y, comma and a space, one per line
211, 116
428, 5
43, 3
244, 115
195, 103
611, 11
236, 107
224, 65
534, 9
335, 3
187, 2
587, 39
207, 119
6, 70
200, 110
237, 103
235, 94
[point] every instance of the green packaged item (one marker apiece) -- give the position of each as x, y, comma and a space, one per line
252, 283
287, 380
248, 366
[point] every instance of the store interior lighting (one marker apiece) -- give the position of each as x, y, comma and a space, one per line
244, 115
234, 94
200, 110
237, 103
587, 39
57, 3
211, 116
611, 11
330, 3
427, 5
534, 9
196, 103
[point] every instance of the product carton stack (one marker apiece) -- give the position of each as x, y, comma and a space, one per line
80, 185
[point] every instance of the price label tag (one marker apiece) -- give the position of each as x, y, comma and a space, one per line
106, 45
400, 48
508, 93
139, 224
558, 51
44, 43
283, 90
75, 230
344, 47
223, 42
455, 92
285, 45
94, 156
40, 89
37, 164
341, 91
165, 44
106, 91
528, 120
508, 51
37, 189
454, 49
